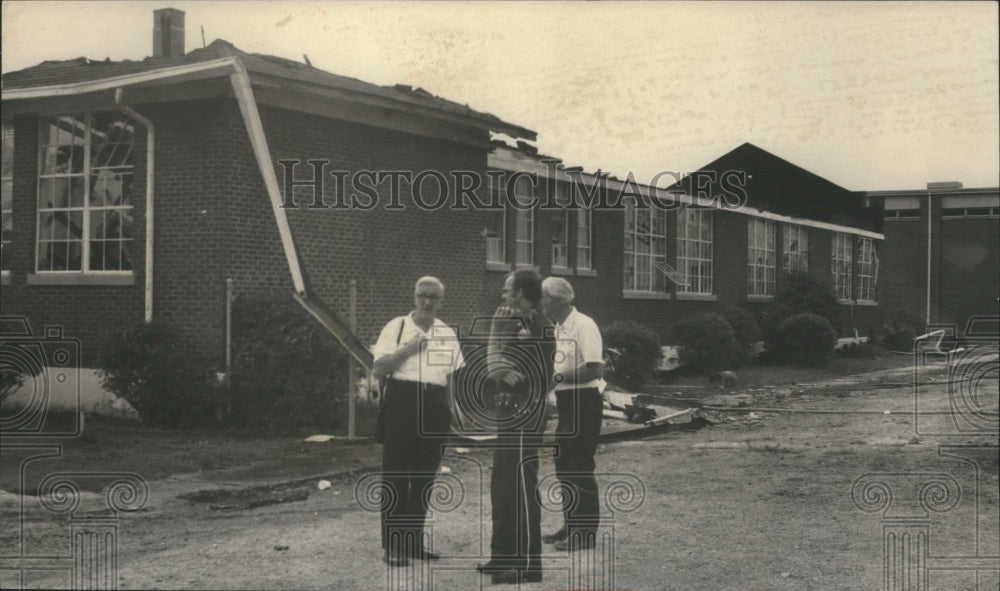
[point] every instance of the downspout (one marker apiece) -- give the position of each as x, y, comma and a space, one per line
930, 217
150, 169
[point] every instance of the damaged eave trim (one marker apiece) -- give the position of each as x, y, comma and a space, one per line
473, 119
224, 66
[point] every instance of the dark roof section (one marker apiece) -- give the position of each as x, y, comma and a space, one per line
50, 73
776, 185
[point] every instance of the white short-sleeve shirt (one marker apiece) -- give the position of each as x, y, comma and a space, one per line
578, 341
439, 356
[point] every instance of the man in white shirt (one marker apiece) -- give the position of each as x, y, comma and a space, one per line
578, 375
419, 353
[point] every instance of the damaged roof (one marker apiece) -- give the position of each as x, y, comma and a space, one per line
54, 73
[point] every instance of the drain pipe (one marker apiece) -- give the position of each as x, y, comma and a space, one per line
150, 169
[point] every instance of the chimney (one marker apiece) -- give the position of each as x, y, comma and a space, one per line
168, 32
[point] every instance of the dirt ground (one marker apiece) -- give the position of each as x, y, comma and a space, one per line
806, 499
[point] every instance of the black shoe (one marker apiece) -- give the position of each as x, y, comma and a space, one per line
583, 542
394, 559
555, 537
514, 577
490, 567
424, 554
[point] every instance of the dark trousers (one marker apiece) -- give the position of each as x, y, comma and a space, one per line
416, 417
517, 511
580, 413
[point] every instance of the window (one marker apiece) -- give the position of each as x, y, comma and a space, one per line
524, 237
7, 194
867, 269
645, 249
969, 212
842, 266
694, 249
85, 194
496, 231
795, 253
583, 240
902, 214
560, 239
760, 257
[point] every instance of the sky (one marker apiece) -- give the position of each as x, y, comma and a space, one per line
871, 96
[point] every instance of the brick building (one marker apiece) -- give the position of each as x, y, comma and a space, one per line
943, 244
278, 177
722, 235
93, 149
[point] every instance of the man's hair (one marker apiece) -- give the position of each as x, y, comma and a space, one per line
558, 288
428, 280
529, 282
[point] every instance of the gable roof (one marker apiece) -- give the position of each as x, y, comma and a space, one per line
776, 185
260, 67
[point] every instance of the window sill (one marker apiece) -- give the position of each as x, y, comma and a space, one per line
866, 303
497, 267
629, 294
760, 298
696, 297
845, 302
561, 271
80, 279
586, 272
518, 267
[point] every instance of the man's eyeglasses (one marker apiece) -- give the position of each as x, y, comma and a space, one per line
429, 296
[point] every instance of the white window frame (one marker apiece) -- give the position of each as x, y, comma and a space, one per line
795, 247
496, 237
89, 177
867, 269
695, 228
584, 240
640, 272
842, 259
7, 197
761, 258
560, 240
524, 237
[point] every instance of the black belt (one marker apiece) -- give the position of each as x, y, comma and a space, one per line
420, 385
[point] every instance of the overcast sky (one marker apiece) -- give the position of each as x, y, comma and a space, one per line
871, 96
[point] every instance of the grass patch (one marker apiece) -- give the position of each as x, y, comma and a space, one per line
110, 444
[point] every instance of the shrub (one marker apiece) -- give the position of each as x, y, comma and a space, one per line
288, 373
898, 333
706, 343
860, 351
158, 374
806, 339
745, 330
800, 292
638, 354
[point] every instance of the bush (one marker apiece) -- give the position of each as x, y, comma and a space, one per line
158, 374
288, 373
806, 339
860, 351
638, 355
800, 292
706, 343
898, 333
745, 330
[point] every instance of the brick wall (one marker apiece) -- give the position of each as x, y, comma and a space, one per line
84, 312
